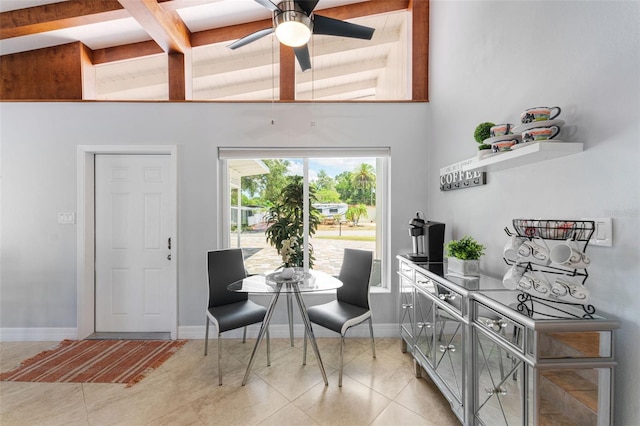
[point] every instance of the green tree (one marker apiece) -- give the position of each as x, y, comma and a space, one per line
344, 186
270, 185
354, 213
328, 196
324, 181
286, 222
364, 181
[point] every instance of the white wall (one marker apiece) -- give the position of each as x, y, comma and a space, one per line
39, 140
490, 61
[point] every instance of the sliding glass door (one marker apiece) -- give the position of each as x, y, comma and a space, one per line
341, 199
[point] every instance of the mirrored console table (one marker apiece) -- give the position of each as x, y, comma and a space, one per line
497, 366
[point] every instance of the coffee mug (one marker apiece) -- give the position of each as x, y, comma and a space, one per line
527, 227
512, 277
539, 114
510, 251
564, 289
501, 130
530, 251
568, 254
535, 284
502, 146
540, 134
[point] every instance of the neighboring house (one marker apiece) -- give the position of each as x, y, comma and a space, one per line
329, 210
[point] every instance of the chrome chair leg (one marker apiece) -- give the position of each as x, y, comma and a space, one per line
244, 335
206, 337
304, 350
268, 349
373, 344
341, 359
219, 359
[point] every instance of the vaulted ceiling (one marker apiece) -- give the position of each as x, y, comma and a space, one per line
130, 41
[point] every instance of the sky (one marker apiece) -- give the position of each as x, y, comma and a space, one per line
332, 166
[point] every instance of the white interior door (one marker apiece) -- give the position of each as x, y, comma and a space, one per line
133, 217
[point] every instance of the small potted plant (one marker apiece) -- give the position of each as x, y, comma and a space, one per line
464, 256
483, 132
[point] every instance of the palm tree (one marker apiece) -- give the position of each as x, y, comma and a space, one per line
364, 178
354, 213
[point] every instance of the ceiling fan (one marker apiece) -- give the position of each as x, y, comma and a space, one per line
294, 22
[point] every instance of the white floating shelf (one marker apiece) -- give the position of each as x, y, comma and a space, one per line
533, 153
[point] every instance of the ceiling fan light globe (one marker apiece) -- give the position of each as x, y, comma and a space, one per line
293, 28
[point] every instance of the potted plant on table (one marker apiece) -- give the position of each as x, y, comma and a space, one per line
464, 256
285, 222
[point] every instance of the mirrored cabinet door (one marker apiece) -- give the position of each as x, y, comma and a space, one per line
424, 327
406, 313
501, 382
449, 350
574, 396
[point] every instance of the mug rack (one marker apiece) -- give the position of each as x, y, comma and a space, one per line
577, 231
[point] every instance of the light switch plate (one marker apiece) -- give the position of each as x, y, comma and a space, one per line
66, 218
603, 234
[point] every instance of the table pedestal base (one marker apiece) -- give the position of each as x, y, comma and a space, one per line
305, 319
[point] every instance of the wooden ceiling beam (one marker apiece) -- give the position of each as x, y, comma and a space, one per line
287, 73
367, 8
165, 28
58, 16
126, 52
168, 30
226, 34
72, 13
180, 76
420, 50
179, 4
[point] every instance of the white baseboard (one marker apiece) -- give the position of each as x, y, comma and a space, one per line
37, 334
277, 331
281, 331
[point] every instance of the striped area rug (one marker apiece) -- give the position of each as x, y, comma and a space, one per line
95, 361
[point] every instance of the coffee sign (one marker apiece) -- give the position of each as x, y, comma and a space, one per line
454, 177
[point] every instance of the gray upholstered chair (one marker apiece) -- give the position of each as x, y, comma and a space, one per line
228, 310
351, 306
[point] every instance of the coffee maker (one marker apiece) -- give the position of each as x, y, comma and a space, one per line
427, 240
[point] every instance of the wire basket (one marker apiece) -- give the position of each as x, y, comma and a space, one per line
577, 230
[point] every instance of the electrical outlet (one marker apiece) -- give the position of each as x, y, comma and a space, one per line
603, 234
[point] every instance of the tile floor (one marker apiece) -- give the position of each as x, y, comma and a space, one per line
184, 390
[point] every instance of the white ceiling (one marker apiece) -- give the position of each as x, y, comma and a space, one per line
342, 68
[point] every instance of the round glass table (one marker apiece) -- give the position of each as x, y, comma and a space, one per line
275, 284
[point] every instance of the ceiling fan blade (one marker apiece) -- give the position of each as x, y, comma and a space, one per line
269, 5
335, 27
307, 5
250, 38
302, 54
